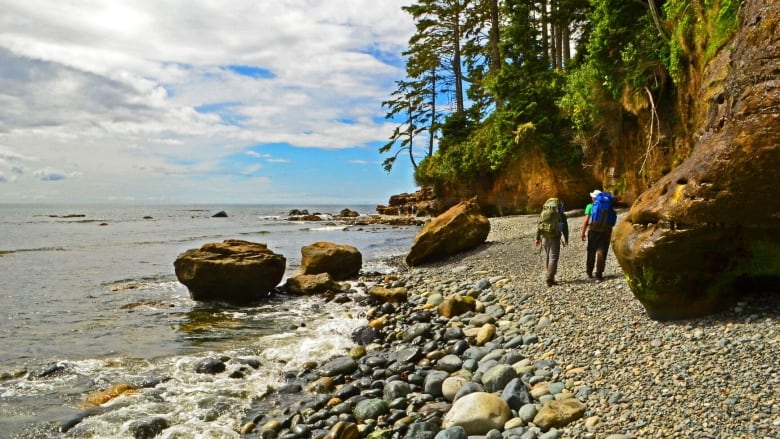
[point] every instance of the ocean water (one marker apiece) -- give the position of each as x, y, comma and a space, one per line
90, 293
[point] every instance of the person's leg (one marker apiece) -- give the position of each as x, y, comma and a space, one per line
546, 246
590, 259
553, 251
601, 254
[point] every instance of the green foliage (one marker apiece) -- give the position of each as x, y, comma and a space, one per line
682, 14
625, 46
699, 26
408, 102
461, 161
455, 129
626, 54
581, 97
495, 138
726, 25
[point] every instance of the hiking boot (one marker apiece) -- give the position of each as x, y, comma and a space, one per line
599, 278
590, 275
551, 282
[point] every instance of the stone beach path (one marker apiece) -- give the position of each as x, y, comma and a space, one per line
714, 377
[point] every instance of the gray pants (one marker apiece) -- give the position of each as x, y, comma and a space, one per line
552, 249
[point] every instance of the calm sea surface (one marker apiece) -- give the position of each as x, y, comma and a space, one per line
90, 291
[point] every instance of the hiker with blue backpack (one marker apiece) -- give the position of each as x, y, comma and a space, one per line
600, 217
552, 230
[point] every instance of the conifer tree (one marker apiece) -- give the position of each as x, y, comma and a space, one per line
433, 69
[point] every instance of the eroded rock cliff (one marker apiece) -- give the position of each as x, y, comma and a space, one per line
711, 227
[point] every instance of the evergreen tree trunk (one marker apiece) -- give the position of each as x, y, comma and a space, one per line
495, 54
558, 36
411, 137
433, 128
566, 46
456, 60
494, 40
553, 18
545, 32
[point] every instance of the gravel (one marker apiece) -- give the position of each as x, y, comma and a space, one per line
713, 377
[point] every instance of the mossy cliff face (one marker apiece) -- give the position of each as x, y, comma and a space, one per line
522, 187
712, 225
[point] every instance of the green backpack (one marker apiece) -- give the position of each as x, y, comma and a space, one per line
550, 218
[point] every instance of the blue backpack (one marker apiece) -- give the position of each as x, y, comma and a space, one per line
603, 217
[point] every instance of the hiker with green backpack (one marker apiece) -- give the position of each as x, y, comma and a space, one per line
600, 217
552, 230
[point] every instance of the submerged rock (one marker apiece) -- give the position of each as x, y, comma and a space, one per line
148, 428
104, 396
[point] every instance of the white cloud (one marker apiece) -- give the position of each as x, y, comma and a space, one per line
128, 92
52, 174
267, 157
7, 155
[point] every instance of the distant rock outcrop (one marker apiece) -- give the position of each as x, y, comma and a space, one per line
338, 260
348, 213
711, 227
233, 271
421, 203
460, 228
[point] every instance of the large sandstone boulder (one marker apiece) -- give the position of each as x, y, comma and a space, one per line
557, 414
309, 284
456, 305
711, 227
338, 260
388, 295
478, 413
462, 227
233, 271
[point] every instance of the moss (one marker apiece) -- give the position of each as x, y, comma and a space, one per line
725, 19
620, 187
702, 26
764, 261
644, 284
679, 193
717, 292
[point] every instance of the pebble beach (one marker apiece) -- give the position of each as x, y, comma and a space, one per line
713, 377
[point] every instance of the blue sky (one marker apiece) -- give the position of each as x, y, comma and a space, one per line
193, 101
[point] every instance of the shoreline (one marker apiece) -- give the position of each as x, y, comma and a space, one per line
710, 377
